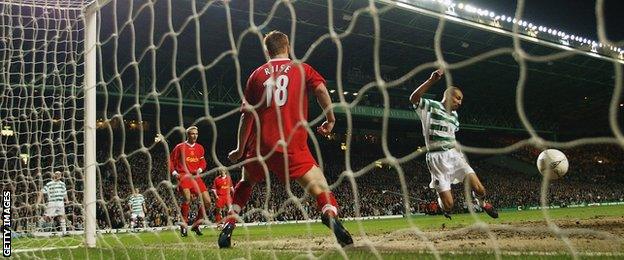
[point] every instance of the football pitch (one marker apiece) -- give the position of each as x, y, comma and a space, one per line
590, 232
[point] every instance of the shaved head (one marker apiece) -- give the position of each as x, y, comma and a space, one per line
452, 90
453, 98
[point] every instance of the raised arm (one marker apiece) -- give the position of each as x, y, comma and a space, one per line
424, 87
324, 101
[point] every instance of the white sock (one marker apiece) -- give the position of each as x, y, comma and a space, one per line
441, 204
479, 203
329, 207
41, 224
63, 225
234, 208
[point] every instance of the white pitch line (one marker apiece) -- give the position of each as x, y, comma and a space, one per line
28, 250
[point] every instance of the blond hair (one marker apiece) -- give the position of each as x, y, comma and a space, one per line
191, 128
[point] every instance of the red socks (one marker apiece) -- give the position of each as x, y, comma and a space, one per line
200, 216
217, 213
185, 208
242, 192
326, 203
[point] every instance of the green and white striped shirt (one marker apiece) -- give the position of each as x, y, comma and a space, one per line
438, 125
55, 190
136, 203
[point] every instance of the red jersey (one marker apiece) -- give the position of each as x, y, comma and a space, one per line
288, 86
186, 154
222, 185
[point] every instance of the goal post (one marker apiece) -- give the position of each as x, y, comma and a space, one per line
90, 162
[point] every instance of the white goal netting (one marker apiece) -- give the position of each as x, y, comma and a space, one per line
42, 108
164, 65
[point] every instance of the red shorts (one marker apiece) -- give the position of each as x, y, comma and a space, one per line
193, 183
299, 163
223, 201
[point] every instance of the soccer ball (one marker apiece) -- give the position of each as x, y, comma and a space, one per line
552, 164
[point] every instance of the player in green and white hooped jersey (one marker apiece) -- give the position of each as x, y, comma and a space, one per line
446, 163
137, 209
57, 196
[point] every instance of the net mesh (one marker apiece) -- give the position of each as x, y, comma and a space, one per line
41, 111
165, 65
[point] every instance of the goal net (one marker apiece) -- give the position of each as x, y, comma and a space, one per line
42, 111
102, 91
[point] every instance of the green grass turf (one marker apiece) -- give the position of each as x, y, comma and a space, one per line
169, 245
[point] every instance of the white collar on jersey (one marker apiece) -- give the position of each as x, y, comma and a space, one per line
191, 145
279, 59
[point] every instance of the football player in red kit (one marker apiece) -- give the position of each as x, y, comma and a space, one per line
278, 91
222, 188
186, 163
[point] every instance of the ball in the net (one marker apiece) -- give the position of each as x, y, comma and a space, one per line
552, 163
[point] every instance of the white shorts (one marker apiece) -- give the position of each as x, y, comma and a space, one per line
54, 209
446, 168
140, 215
